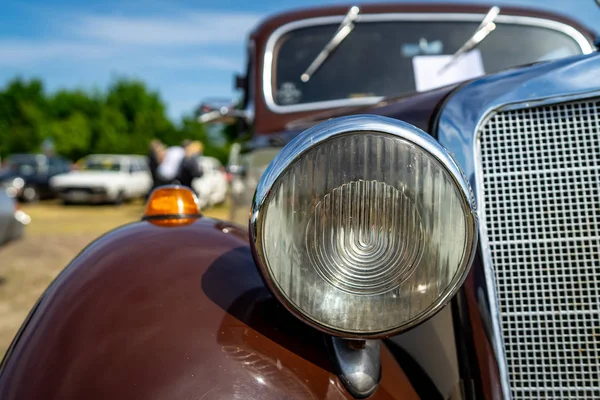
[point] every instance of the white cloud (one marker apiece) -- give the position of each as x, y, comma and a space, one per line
185, 55
195, 62
189, 29
171, 41
19, 52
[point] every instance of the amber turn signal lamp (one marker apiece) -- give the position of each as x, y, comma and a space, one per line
172, 206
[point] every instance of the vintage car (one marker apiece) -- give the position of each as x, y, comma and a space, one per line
27, 176
397, 241
100, 178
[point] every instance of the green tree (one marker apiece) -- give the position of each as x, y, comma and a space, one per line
71, 135
121, 120
144, 114
193, 130
23, 107
107, 133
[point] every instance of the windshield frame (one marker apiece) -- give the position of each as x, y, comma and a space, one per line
270, 48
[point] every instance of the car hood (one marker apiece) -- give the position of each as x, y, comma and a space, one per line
416, 108
82, 178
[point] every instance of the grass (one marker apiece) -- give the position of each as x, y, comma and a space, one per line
56, 234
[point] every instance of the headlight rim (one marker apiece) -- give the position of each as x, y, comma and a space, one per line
333, 129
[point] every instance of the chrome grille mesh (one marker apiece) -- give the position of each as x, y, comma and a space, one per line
541, 207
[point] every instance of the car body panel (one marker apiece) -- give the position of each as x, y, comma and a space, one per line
131, 319
7, 211
12, 219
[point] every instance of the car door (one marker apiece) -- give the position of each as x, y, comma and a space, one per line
56, 165
134, 178
144, 177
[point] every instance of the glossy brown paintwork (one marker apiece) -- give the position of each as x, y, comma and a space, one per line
267, 121
150, 312
418, 109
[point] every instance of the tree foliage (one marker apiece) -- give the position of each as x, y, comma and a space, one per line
122, 120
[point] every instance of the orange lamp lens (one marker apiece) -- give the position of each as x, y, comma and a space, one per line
172, 205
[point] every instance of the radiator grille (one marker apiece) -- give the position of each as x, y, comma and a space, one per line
541, 202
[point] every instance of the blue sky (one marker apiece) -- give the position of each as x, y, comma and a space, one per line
187, 50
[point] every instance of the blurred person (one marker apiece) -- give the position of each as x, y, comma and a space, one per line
189, 168
169, 166
156, 155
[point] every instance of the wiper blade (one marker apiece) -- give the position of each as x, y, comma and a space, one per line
483, 30
342, 32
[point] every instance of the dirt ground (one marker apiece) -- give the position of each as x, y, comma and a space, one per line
54, 237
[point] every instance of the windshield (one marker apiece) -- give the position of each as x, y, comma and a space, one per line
381, 58
25, 164
99, 164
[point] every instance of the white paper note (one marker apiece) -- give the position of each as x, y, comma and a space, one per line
427, 69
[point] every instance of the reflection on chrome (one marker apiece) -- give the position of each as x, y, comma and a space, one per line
422, 288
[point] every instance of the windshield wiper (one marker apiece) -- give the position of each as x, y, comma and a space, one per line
483, 30
342, 32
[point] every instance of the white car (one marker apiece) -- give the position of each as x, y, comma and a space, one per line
99, 178
211, 188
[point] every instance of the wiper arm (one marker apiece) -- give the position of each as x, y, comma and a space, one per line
342, 32
483, 30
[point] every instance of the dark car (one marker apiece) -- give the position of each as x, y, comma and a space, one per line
27, 176
397, 239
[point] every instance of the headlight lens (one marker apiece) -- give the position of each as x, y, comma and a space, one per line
367, 231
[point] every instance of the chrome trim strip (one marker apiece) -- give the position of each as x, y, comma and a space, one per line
469, 108
347, 125
584, 44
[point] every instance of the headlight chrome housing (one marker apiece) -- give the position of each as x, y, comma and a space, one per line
363, 226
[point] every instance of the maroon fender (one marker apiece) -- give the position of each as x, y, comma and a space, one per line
148, 312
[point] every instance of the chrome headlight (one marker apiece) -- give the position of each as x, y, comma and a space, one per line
363, 226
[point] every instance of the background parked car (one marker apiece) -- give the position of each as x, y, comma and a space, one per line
12, 219
211, 188
104, 178
27, 176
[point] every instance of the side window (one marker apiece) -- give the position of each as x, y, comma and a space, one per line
66, 165
57, 165
133, 166
144, 165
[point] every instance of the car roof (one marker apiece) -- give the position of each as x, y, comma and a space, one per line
21, 156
